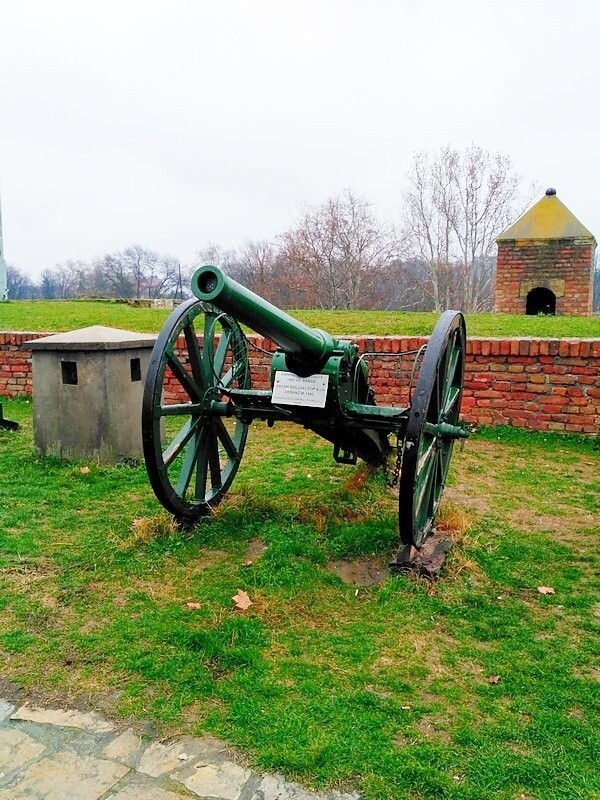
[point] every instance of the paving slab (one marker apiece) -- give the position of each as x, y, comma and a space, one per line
87, 721
274, 787
66, 775
160, 759
17, 748
6, 709
144, 791
126, 748
61, 754
224, 781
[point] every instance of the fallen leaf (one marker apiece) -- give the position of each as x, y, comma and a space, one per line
241, 600
193, 606
545, 590
494, 679
247, 563
85, 470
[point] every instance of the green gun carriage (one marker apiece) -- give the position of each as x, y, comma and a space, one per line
198, 402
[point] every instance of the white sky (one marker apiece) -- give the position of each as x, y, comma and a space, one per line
172, 124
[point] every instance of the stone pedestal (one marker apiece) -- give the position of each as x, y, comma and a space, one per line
87, 393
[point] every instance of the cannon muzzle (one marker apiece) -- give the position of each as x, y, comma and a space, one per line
309, 347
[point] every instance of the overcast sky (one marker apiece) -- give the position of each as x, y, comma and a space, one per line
173, 124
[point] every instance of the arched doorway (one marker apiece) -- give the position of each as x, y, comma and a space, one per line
541, 301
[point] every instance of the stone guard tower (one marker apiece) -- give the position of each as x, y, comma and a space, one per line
545, 262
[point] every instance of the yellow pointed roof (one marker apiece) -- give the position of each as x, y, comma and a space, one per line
549, 218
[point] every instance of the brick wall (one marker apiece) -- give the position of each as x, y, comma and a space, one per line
544, 384
562, 265
15, 364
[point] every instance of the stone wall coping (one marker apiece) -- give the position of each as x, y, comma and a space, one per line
94, 337
24, 336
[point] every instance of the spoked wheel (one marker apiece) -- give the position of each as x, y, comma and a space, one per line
432, 428
192, 448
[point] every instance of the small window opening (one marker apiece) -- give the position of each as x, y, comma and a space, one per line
541, 301
136, 370
69, 372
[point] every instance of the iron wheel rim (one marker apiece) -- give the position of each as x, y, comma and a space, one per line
426, 453
192, 473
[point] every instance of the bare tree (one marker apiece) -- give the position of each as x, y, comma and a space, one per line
217, 256
258, 268
142, 265
456, 204
19, 284
114, 275
47, 285
80, 274
341, 250
163, 279
69, 279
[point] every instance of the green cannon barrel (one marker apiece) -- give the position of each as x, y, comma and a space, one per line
308, 346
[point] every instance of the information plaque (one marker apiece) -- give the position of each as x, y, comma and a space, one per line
292, 390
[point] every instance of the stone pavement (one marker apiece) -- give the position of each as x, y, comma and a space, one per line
58, 754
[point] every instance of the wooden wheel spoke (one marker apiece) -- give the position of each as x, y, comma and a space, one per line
453, 359
189, 462
234, 372
208, 348
425, 484
201, 470
220, 355
184, 378
450, 402
214, 463
226, 440
194, 353
433, 412
179, 442
425, 456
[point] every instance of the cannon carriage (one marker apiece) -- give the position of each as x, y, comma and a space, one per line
199, 402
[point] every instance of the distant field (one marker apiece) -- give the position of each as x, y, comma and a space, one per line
57, 315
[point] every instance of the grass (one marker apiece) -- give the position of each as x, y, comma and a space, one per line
386, 690
54, 315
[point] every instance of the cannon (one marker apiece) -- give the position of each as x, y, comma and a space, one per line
198, 402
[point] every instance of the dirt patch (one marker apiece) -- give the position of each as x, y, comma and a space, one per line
576, 713
477, 504
207, 558
360, 571
256, 548
435, 729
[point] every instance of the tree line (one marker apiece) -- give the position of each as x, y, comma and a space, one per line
439, 253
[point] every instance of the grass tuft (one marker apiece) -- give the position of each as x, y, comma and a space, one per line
144, 530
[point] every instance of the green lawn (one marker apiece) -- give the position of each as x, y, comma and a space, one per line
53, 315
477, 687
